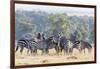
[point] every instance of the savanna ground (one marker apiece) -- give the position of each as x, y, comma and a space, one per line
52, 57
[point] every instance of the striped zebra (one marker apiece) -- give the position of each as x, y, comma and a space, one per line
29, 44
67, 45
82, 45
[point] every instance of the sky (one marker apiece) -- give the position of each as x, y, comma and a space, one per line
56, 9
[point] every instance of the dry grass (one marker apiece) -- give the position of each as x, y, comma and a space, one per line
52, 57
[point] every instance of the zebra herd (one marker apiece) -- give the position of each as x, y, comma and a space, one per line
59, 43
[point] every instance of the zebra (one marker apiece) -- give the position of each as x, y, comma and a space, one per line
67, 45
83, 45
30, 44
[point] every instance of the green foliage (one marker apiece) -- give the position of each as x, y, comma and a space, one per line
33, 22
60, 22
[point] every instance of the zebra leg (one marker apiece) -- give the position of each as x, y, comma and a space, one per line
84, 51
21, 50
71, 51
68, 51
32, 52
65, 50
80, 51
46, 51
43, 51
61, 50
35, 52
17, 48
57, 50
28, 51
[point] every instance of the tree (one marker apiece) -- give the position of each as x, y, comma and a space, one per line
61, 23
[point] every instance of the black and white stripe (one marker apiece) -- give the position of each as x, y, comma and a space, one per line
29, 44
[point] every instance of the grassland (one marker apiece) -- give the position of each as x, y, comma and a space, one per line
52, 57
